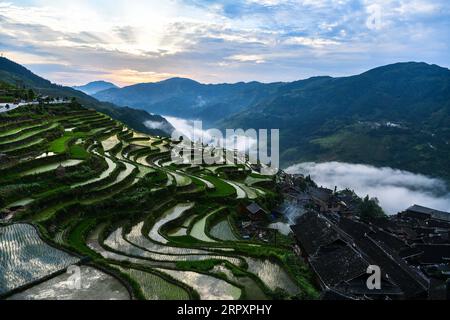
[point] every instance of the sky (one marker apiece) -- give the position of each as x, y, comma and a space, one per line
212, 41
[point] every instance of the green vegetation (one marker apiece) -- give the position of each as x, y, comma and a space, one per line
370, 209
396, 115
155, 287
222, 189
12, 93
78, 152
60, 145
16, 75
93, 189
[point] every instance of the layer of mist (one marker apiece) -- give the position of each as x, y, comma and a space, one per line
395, 189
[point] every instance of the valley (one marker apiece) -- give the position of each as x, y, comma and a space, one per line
395, 116
212, 159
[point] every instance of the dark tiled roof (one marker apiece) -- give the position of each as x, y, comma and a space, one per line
436, 214
437, 224
336, 257
358, 287
434, 253
338, 262
321, 193
334, 295
407, 278
409, 252
390, 240
254, 208
385, 224
420, 209
312, 232
424, 231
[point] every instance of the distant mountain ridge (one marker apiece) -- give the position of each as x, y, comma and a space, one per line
95, 86
190, 99
17, 74
396, 115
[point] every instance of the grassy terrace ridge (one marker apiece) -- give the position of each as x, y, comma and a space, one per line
98, 189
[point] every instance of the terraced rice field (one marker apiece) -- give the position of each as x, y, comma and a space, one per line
122, 175
222, 231
51, 167
254, 179
239, 191
111, 167
93, 285
14, 131
116, 242
27, 134
25, 258
181, 180
136, 238
110, 143
155, 287
198, 229
272, 275
168, 216
163, 226
24, 146
208, 287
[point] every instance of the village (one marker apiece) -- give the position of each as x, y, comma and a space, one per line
14, 96
340, 236
8, 106
412, 248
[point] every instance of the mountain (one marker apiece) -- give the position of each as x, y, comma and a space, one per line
95, 86
189, 99
18, 75
396, 115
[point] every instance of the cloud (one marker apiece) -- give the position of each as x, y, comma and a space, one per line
247, 58
222, 41
154, 125
194, 131
126, 33
310, 42
129, 76
395, 189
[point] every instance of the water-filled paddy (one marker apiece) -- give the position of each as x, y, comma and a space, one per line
122, 175
136, 237
272, 275
239, 191
198, 229
155, 287
208, 287
118, 243
25, 258
222, 231
51, 166
168, 216
21, 147
93, 285
111, 167
110, 143
181, 180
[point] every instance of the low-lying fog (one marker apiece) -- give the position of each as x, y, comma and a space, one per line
187, 128
395, 189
